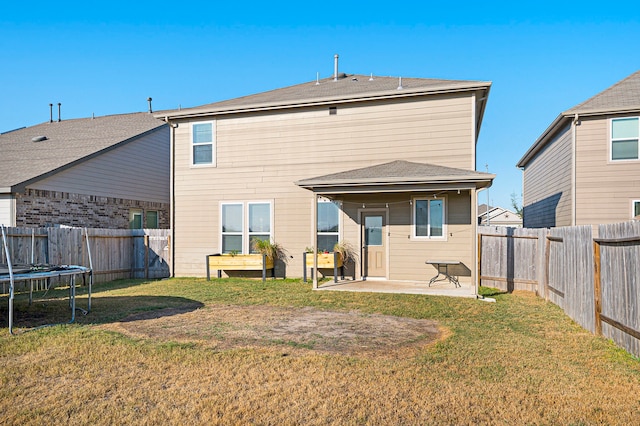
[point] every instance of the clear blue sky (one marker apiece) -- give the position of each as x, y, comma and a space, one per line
108, 57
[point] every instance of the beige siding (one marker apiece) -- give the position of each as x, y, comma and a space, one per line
605, 189
7, 210
138, 170
547, 184
260, 156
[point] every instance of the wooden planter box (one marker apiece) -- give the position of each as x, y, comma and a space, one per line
325, 261
239, 262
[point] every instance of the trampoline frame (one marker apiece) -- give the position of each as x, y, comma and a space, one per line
62, 270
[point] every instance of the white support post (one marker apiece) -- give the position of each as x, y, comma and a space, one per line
315, 241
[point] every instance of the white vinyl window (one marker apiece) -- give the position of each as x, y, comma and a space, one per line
245, 222
429, 218
259, 223
625, 133
328, 225
232, 227
203, 152
635, 213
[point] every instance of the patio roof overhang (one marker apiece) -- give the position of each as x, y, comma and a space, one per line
397, 176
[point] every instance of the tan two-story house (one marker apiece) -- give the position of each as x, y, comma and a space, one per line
585, 168
386, 164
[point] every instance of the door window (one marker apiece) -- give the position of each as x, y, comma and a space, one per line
373, 230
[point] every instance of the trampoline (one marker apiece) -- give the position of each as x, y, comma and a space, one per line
11, 274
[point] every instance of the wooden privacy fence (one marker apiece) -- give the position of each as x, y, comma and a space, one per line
596, 281
115, 253
617, 284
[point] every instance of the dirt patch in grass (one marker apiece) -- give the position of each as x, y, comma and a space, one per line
296, 329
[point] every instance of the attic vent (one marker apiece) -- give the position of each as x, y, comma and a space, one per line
38, 139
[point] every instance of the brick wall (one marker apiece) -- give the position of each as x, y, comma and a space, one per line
36, 208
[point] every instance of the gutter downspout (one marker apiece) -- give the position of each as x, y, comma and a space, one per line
172, 195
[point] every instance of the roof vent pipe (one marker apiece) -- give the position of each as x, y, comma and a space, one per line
59, 119
150, 109
335, 67
400, 83
50, 113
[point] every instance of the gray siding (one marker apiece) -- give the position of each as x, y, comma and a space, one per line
138, 170
547, 184
604, 188
6, 210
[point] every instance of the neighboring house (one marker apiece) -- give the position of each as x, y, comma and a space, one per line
103, 172
389, 162
585, 168
498, 216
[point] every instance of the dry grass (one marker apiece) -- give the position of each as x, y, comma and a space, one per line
243, 352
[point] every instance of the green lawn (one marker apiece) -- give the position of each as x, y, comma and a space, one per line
189, 351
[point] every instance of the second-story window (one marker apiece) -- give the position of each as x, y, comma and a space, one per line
624, 138
203, 143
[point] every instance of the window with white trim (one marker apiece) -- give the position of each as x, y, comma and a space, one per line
244, 222
203, 143
429, 217
259, 223
625, 133
232, 227
635, 213
135, 219
328, 225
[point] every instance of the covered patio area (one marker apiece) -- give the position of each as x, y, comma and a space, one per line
405, 220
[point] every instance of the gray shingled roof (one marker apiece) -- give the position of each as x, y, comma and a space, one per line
623, 95
398, 172
67, 142
349, 87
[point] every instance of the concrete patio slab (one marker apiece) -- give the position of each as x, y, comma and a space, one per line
400, 287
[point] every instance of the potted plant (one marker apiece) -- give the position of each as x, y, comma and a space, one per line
272, 250
346, 250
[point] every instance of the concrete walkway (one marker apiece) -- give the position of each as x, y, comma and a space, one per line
401, 287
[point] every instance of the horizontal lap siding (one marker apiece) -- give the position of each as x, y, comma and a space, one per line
408, 255
547, 184
605, 189
260, 156
138, 170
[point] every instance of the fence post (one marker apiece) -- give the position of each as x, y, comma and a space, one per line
597, 290
547, 249
146, 256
